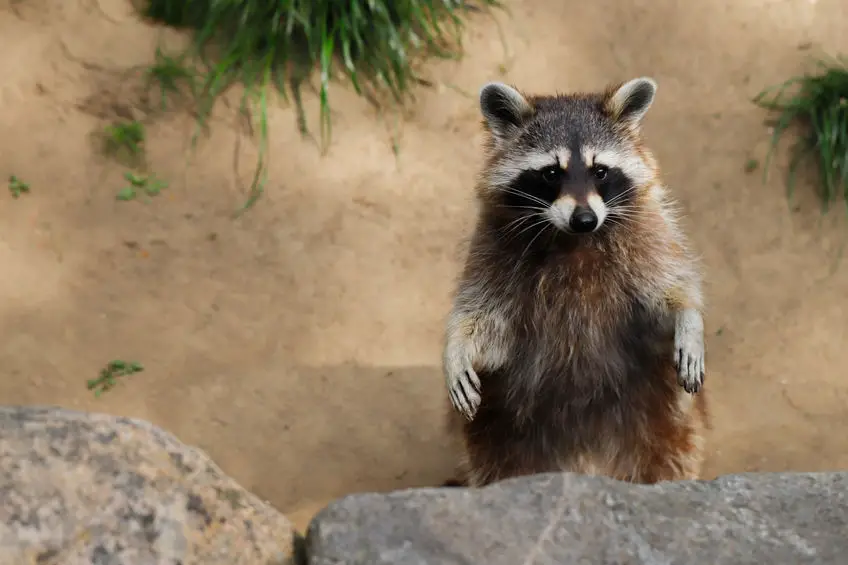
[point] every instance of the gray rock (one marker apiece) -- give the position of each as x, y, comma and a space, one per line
770, 519
79, 488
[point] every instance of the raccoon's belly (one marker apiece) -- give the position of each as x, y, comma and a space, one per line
547, 407
559, 428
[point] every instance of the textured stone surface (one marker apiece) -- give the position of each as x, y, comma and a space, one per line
568, 519
79, 488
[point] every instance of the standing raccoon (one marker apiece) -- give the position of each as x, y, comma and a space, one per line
576, 339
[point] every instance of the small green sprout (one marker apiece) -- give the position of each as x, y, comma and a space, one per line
148, 184
109, 375
17, 186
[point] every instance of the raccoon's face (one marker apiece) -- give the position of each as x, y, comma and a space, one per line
568, 160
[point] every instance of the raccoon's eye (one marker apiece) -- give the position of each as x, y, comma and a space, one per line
551, 174
600, 172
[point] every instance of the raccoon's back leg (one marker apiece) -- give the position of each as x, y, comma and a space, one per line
672, 446
493, 448
483, 459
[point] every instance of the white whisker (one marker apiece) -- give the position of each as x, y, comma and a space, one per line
530, 227
522, 194
515, 224
619, 197
533, 208
541, 231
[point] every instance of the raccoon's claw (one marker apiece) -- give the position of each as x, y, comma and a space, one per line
689, 351
690, 371
463, 389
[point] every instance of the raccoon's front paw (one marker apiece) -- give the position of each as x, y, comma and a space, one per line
689, 350
463, 385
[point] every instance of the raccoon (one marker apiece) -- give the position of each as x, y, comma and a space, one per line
576, 337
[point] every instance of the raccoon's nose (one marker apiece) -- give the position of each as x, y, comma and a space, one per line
583, 220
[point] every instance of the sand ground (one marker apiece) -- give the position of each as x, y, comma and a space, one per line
299, 344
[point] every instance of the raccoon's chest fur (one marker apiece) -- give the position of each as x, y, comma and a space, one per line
584, 330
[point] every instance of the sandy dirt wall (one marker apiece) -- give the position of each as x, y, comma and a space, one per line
300, 343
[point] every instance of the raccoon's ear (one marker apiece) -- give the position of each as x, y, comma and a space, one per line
630, 102
504, 108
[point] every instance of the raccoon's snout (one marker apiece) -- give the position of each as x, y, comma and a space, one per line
583, 220
578, 217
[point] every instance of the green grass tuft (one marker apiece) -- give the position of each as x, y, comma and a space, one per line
818, 103
124, 141
277, 45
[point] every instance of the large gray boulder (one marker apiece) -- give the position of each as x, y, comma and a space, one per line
777, 519
79, 488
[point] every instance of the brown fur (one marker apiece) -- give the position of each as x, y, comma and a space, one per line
598, 311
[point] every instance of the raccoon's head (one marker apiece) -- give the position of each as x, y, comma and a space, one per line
573, 161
